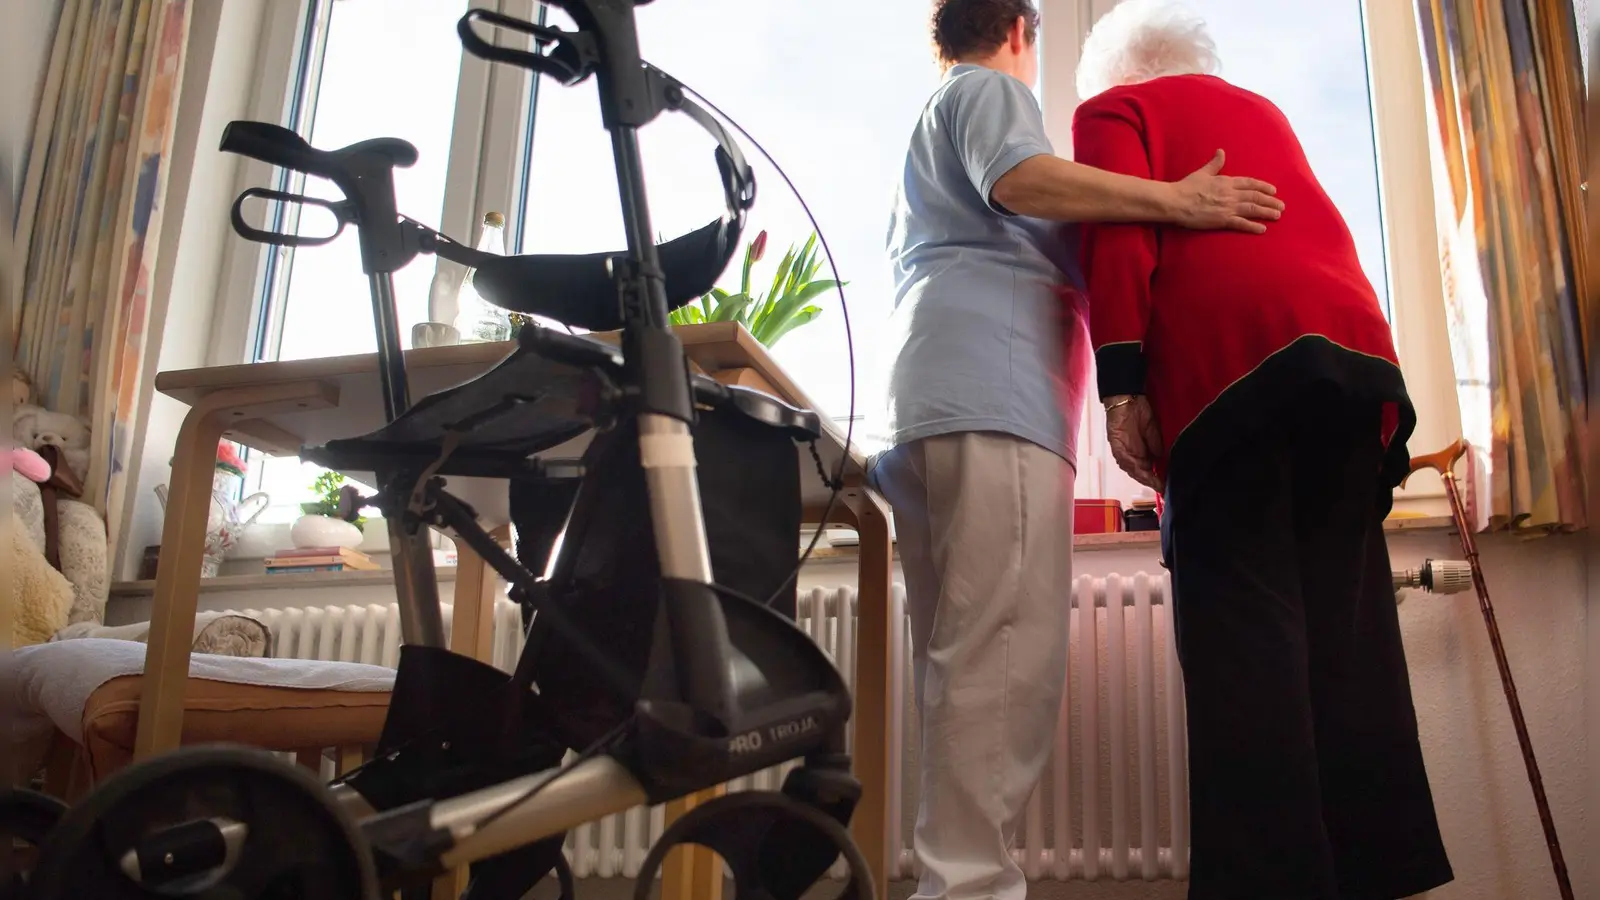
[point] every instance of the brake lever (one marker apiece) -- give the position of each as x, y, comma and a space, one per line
572, 56
343, 212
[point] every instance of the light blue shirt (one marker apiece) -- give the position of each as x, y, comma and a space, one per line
976, 337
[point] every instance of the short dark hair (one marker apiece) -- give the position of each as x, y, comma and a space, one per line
963, 29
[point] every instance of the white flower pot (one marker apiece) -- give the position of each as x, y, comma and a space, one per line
323, 531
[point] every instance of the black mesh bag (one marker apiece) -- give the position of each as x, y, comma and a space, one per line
606, 581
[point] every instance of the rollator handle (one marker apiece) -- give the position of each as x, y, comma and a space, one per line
363, 171
565, 56
340, 210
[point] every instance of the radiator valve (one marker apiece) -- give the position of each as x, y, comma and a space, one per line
1436, 576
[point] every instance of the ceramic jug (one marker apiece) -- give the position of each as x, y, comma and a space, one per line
226, 521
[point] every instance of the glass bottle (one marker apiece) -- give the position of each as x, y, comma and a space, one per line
478, 320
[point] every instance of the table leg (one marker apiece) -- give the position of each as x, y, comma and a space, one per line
471, 634
691, 872
873, 713
183, 538
477, 591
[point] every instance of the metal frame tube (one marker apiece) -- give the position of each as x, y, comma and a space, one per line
497, 819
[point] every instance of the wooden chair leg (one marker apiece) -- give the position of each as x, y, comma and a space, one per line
873, 700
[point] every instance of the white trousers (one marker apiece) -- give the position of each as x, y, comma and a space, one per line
984, 527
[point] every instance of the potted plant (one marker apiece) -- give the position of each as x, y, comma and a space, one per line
769, 315
333, 519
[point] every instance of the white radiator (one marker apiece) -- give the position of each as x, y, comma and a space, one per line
1116, 783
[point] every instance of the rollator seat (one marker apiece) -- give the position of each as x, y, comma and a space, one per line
541, 396
579, 289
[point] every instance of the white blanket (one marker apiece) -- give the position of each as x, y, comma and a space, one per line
49, 684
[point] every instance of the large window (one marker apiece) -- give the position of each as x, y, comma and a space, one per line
831, 88
1311, 60
833, 104
366, 68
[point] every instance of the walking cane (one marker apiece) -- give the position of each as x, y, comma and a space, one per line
1444, 463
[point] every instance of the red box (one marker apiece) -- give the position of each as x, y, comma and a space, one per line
1096, 516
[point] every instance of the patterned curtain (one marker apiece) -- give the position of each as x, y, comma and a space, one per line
89, 219
1507, 99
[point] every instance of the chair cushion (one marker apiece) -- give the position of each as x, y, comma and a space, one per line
272, 718
51, 684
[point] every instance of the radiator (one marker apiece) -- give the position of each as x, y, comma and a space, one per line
1113, 802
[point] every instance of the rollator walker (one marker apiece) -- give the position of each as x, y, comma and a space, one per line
659, 662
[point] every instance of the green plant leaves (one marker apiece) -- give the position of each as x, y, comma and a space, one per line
785, 306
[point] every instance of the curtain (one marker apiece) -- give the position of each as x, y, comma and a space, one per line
1507, 95
89, 220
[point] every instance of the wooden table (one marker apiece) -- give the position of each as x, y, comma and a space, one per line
279, 407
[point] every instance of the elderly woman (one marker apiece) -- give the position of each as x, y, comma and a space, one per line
1253, 379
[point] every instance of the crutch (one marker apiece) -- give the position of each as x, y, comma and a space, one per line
1444, 463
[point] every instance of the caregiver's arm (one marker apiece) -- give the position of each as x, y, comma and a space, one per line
997, 130
1048, 187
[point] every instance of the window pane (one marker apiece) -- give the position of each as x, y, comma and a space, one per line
1311, 60
837, 122
390, 71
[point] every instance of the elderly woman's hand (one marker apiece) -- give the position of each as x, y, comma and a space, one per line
1135, 439
1207, 200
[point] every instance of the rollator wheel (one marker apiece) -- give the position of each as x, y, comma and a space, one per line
212, 823
776, 846
26, 819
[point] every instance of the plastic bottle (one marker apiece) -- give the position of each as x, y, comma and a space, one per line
478, 320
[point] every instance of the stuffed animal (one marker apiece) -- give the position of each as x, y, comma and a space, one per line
79, 539
34, 427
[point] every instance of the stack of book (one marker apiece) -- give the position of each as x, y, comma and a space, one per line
299, 560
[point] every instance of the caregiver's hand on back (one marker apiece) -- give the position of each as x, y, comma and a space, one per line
1209, 200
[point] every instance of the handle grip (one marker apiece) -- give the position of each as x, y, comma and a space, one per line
273, 144
570, 60
1443, 462
341, 213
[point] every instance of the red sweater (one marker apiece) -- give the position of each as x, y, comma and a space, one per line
1219, 328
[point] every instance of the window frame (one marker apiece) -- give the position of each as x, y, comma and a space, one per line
1406, 199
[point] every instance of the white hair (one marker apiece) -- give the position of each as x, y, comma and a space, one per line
1139, 40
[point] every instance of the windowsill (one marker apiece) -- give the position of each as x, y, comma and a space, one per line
1126, 540
264, 582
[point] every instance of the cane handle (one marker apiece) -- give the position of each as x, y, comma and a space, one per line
1443, 461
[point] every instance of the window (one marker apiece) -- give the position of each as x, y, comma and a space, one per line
1310, 59
540, 154
831, 88
367, 68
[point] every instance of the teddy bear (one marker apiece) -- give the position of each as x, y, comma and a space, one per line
34, 427
78, 544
